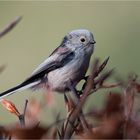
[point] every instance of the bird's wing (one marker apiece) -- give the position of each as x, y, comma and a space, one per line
57, 59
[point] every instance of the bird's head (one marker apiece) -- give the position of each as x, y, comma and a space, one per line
79, 39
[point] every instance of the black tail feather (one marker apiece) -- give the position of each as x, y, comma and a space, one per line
11, 91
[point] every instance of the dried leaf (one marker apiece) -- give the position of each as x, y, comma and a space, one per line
108, 129
35, 132
4, 133
10, 107
137, 86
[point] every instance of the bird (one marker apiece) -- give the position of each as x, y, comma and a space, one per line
66, 65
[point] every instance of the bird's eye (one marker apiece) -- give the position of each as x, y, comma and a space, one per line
82, 39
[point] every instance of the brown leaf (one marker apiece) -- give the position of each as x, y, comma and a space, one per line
10, 107
114, 104
108, 129
111, 120
35, 132
137, 86
4, 133
52, 133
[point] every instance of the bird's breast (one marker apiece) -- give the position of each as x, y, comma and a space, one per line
73, 72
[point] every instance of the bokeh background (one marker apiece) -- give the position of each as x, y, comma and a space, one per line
115, 25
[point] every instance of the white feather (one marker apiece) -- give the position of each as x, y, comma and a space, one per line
20, 89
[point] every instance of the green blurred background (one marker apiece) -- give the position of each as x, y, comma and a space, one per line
115, 25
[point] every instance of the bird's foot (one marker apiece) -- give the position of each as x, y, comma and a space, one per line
73, 90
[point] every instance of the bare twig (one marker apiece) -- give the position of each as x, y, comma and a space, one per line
110, 85
103, 77
10, 26
22, 116
25, 107
83, 121
78, 108
128, 93
98, 71
102, 66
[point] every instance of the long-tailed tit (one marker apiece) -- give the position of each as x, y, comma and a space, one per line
67, 63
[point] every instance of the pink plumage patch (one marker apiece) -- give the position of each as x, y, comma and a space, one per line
62, 50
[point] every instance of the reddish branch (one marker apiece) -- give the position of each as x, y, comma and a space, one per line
88, 86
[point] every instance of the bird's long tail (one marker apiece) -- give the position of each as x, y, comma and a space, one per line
19, 87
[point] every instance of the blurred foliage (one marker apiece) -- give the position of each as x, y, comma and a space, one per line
115, 26
117, 119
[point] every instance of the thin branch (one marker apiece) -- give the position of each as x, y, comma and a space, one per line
83, 121
110, 85
128, 95
78, 108
102, 66
22, 116
25, 107
10, 26
103, 77
98, 71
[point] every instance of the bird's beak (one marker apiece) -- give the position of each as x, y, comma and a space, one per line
93, 42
